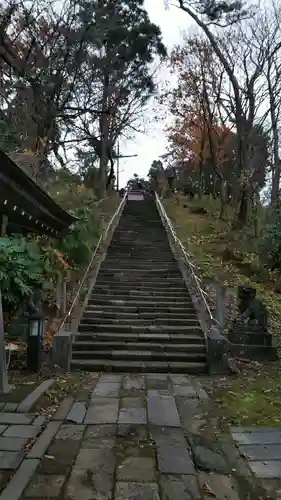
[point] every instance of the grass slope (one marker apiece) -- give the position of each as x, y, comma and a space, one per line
231, 258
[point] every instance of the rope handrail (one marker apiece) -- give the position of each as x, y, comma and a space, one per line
187, 256
100, 240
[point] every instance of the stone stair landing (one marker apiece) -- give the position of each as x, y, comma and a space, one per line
140, 316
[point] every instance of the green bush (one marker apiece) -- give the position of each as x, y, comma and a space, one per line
78, 245
270, 244
22, 267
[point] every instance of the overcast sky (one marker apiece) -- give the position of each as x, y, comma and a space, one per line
151, 145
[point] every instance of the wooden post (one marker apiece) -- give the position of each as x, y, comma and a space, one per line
4, 385
61, 295
220, 306
4, 225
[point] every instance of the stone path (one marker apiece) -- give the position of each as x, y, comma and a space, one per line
125, 437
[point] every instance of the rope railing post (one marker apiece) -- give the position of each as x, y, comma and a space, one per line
187, 257
101, 239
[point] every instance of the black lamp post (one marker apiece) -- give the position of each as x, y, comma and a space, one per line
36, 322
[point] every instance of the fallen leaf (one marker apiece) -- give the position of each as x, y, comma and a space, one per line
208, 490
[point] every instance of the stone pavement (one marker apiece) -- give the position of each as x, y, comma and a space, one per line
125, 437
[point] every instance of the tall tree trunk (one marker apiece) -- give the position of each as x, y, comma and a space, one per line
276, 173
222, 197
104, 136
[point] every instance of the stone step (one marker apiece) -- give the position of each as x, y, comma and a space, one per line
84, 345
141, 283
140, 316
194, 337
128, 366
192, 327
139, 264
130, 301
124, 355
151, 316
133, 295
133, 273
141, 269
144, 309
93, 319
114, 286
142, 294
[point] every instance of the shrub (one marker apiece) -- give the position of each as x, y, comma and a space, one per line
22, 267
270, 244
79, 243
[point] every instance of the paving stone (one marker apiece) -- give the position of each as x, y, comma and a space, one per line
99, 436
107, 389
94, 443
39, 421
71, 432
132, 416
180, 487
234, 459
140, 469
167, 436
102, 411
84, 395
15, 418
100, 431
187, 408
180, 379
45, 486
60, 457
10, 460
44, 440
258, 452
19, 481
185, 390
132, 402
63, 409
268, 469
134, 432
136, 491
160, 392
12, 444
10, 407
3, 428
202, 394
239, 430
134, 382
257, 437
162, 410
224, 487
194, 425
154, 383
174, 460
77, 413
30, 400
111, 378
92, 475
206, 456
22, 431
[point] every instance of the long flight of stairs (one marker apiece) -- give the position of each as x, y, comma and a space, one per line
140, 316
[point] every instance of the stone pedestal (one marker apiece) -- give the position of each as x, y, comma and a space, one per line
252, 342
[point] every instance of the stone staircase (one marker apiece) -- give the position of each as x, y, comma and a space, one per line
140, 316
